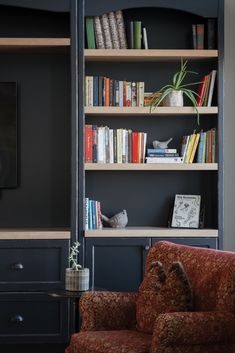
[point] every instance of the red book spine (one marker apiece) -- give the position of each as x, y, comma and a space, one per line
107, 91
201, 91
135, 147
88, 143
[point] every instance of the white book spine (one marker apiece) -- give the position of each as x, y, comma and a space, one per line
90, 91
119, 145
211, 88
98, 33
120, 93
111, 155
164, 160
140, 100
145, 38
100, 145
114, 30
86, 213
128, 94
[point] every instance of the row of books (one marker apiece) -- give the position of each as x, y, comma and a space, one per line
202, 145
106, 31
137, 35
92, 214
206, 89
105, 91
105, 145
204, 36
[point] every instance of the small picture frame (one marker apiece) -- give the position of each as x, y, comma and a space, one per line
186, 211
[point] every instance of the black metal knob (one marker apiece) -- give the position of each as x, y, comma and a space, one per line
17, 319
17, 266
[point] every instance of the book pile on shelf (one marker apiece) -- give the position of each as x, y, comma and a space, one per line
163, 155
105, 91
106, 31
92, 214
137, 35
105, 145
202, 143
206, 90
204, 35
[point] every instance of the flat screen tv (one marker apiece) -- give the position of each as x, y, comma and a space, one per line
8, 134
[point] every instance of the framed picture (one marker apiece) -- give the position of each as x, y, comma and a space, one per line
186, 211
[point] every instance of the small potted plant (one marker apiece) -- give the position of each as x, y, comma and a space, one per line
76, 277
172, 95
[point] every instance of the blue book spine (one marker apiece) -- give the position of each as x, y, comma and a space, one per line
200, 148
90, 214
94, 223
95, 91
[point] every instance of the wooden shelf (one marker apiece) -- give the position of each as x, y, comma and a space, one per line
33, 233
151, 232
147, 55
151, 166
7, 44
134, 111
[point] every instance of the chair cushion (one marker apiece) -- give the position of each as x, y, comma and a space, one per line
110, 342
160, 293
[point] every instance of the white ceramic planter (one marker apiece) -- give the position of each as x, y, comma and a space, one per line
77, 280
174, 99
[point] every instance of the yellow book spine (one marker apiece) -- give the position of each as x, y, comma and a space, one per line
190, 146
196, 140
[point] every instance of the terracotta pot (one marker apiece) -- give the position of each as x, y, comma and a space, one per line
174, 99
77, 280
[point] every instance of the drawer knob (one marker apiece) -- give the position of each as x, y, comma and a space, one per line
17, 266
17, 319
146, 247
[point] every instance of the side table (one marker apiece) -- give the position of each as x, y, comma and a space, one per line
73, 297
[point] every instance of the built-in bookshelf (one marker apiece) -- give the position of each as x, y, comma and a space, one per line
146, 190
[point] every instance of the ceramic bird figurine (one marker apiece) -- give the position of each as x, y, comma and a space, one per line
119, 220
161, 144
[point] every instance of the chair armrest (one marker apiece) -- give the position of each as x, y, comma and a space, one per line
108, 311
188, 328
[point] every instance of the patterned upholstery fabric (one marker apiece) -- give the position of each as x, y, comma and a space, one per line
109, 318
171, 293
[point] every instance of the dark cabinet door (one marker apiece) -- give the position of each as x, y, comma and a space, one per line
116, 264
202, 242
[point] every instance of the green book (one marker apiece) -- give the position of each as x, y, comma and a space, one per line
137, 34
90, 33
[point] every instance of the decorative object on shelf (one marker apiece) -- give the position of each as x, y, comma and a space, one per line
186, 211
119, 220
172, 95
162, 144
76, 277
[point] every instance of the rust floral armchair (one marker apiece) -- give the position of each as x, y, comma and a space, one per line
207, 325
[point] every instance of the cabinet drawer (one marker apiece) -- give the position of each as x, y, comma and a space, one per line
32, 265
33, 317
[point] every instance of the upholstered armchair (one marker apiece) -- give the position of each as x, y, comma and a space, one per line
110, 319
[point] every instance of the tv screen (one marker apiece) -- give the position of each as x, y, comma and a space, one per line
8, 134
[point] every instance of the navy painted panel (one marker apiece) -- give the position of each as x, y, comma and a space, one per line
33, 317
51, 5
208, 8
33, 264
116, 264
199, 242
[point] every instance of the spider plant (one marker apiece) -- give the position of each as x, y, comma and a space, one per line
177, 85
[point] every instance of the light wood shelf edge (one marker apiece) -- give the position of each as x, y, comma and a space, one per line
147, 55
151, 232
34, 42
33, 234
151, 166
146, 111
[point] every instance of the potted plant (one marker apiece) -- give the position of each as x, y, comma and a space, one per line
76, 277
172, 95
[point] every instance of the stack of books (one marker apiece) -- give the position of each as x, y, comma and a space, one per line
204, 35
202, 144
167, 155
106, 31
105, 145
92, 214
206, 90
105, 91
137, 35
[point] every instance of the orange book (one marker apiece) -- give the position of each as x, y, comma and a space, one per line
135, 147
88, 143
107, 91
